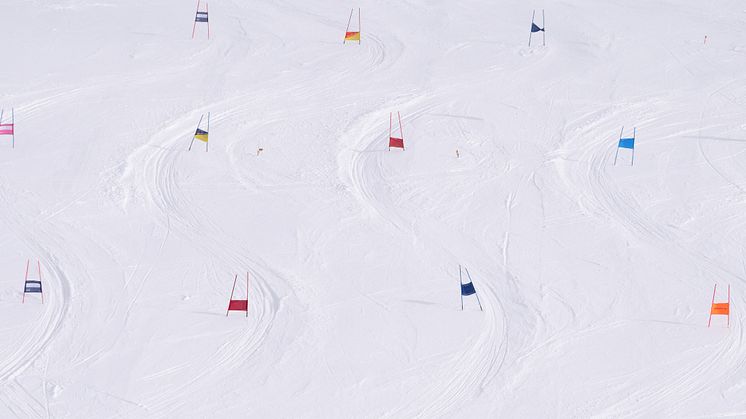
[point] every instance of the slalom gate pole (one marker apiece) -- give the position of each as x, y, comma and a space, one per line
38, 265
461, 283
543, 29
207, 11
359, 26
207, 143
247, 293
728, 305
475, 290
634, 135
348, 25
391, 117
25, 278
713, 302
198, 124
13, 141
235, 278
401, 130
617, 145
530, 32
194, 26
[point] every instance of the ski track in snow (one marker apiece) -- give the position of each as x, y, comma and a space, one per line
500, 210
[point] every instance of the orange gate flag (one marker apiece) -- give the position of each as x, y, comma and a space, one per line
719, 309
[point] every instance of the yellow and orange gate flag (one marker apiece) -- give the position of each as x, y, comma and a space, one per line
353, 35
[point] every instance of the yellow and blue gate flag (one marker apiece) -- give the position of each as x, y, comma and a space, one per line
536, 28
627, 143
201, 135
468, 289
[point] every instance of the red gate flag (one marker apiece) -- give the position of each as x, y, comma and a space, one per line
239, 305
395, 142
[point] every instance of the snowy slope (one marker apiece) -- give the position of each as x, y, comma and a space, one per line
595, 279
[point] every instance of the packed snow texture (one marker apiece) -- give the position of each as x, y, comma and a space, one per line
596, 279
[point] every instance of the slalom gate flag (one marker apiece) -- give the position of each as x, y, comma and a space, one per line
201, 135
536, 28
235, 304
201, 16
719, 309
396, 142
8, 128
353, 35
627, 143
468, 289
32, 286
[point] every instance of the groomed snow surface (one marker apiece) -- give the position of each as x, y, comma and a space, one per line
596, 280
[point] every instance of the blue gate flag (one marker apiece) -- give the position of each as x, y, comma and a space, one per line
468, 289
201, 17
32, 286
627, 143
536, 28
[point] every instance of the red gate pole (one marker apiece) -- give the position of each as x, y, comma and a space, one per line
235, 278
195, 20
247, 293
391, 116
401, 130
207, 12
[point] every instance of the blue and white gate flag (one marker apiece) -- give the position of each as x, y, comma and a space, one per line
32, 286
